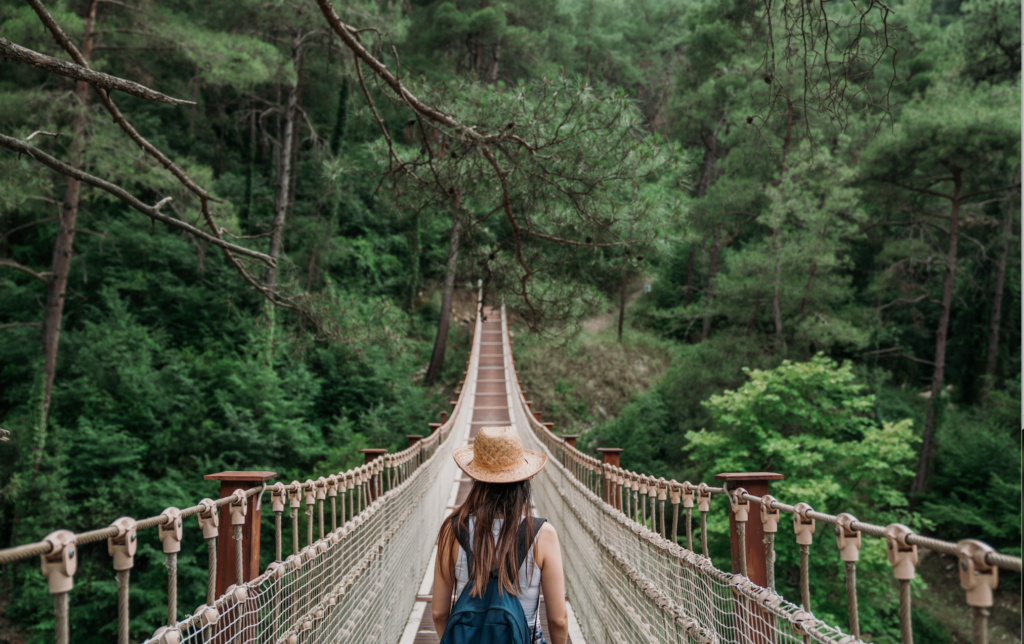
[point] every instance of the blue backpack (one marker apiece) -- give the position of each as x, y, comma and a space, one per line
495, 617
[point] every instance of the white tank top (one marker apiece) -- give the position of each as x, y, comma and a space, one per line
529, 575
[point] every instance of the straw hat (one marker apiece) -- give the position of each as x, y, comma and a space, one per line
497, 456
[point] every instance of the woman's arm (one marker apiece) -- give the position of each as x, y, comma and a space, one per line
441, 599
548, 555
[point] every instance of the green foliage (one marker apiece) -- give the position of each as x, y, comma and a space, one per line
792, 238
974, 491
812, 421
654, 424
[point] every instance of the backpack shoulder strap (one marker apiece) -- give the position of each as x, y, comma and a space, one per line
522, 547
462, 535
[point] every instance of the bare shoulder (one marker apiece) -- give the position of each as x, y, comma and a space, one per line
547, 543
547, 533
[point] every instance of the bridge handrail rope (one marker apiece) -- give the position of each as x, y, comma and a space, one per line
324, 586
627, 497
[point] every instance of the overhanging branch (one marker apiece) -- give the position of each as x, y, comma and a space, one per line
150, 211
99, 80
9, 263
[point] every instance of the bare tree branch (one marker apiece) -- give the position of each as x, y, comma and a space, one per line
10, 263
18, 146
985, 192
28, 225
31, 136
99, 80
19, 325
896, 352
204, 197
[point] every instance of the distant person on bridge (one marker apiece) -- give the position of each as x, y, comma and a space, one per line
506, 572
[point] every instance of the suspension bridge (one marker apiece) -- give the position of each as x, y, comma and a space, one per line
360, 568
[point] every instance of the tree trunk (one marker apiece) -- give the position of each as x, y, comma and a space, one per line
776, 294
341, 119
284, 168
414, 251
997, 297
928, 440
492, 72
63, 248
622, 300
710, 151
710, 297
441, 341
690, 261
752, 324
590, 19
251, 175
293, 184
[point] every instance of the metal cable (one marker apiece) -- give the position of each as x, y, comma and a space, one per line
906, 625
661, 511
741, 536
171, 562
123, 577
60, 615
277, 536
704, 532
1007, 562
980, 631
334, 514
851, 597
689, 529
805, 588
211, 576
295, 531
320, 511
7, 555
309, 524
675, 522
239, 577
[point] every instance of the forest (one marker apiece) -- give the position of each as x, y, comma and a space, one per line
247, 235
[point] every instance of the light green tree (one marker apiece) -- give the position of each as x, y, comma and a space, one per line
814, 423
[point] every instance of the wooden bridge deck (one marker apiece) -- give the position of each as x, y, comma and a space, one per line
490, 406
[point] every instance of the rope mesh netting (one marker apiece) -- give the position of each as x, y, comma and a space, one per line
628, 584
358, 583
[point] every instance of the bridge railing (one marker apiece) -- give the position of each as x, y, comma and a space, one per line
631, 523
353, 580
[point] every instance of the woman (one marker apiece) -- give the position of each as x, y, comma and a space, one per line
498, 507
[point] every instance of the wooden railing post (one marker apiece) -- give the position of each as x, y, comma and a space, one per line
756, 484
570, 439
370, 455
611, 457
231, 482
747, 545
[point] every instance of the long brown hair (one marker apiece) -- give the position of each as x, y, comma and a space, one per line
486, 503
